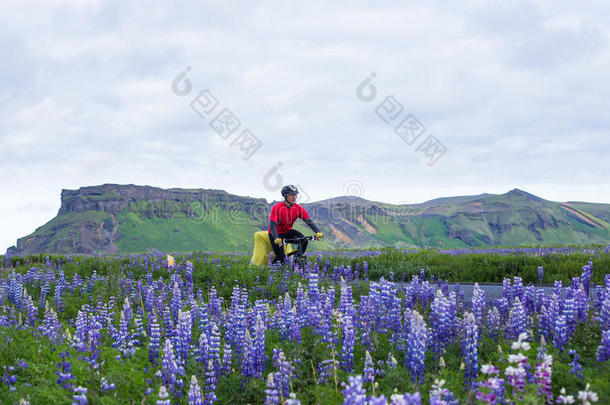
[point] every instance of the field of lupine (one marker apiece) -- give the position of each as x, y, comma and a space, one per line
350, 327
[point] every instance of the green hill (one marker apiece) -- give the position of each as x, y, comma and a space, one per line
115, 218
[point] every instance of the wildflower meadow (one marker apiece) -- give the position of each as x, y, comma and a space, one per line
346, 327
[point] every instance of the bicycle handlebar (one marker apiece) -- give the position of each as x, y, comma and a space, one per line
295, 240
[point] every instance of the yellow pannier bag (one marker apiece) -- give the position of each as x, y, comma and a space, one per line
262, 248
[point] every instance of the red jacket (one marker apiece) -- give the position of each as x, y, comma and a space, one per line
285, 216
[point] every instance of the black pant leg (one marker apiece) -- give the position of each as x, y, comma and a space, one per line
294, 234
278, 252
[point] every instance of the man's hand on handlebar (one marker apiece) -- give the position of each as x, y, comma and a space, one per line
278, 242
319, 235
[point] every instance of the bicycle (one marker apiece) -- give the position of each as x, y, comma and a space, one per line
299, 254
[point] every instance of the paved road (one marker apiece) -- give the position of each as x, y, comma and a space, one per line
493, 291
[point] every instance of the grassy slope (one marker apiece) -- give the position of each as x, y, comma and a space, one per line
165, 226
64, 228
218, 232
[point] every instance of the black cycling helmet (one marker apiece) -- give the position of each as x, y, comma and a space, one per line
289, 189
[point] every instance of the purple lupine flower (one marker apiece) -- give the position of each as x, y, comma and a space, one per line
365, 320
558, 288
312, 290
271, 393
210, 383
50, 326
183, 342
478, 304
188, 275
395, 318
247, 364
569, 311
155, 335
349, 339
380, 400
169, 366
506, 288
122, 338
346, 302
80, 333
227, 357
79, 397
560, 332
203, 315
503, 305
517, 321
292, 399
470, 337
259, 347
194, 395
168, 322
544, 322
215, 305
176, 301
492, 321
354, 394
587, 270
213, 348
604, 314
575, 364
518, 288
369, 368
30, 310
124, 341
530, 300
285, 373
301, 306
516, 377
8, 378
64, 375
440, 322
325, 329
106, 386
163, 395
440, 395
284, 316
58, 293
582, 304
540, 273
202, 356
563, 398
416, 348
139, 334
326, 369
539, 299
406, 399
603, 350
491, 390
94, 342
127, 311
238, 324
542, 377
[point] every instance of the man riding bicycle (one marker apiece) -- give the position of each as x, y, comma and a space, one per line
283, 215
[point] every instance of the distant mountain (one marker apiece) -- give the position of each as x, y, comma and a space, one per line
114, 218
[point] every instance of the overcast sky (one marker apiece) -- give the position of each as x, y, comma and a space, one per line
515, 94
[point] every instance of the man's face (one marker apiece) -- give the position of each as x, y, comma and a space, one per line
291, 198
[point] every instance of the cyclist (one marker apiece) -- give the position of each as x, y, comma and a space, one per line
283, 215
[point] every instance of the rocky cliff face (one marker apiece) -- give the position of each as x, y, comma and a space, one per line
112, 198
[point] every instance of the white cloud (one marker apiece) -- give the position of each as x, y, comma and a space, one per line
516, 92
